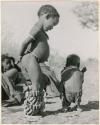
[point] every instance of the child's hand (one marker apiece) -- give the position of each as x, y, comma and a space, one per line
19, 59
84, 69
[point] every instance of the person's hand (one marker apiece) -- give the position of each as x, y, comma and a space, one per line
19, 59
84, 69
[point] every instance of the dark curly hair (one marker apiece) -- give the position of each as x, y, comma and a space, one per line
73, 60
48, 9
7, 56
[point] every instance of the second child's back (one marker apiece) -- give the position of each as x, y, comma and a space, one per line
73, 78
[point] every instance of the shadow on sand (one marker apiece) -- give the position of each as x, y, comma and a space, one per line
90, 105
46, 113
50, 102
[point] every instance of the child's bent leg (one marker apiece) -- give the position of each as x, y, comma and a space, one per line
14, 97
78, 100
11, 88
11, 75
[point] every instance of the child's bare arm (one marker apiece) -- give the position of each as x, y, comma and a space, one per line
25, 44
31, 38
84, 69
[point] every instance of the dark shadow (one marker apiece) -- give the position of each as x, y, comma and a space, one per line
46, 113
50, 97
91, 105
88, 107
3, 94
16, 110
19, 87
12, 110
50, 102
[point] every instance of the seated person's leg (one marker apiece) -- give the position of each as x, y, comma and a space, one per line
4, 95
14, 96
12, 74
11, 88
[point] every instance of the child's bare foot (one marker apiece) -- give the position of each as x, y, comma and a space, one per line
64, 110
11, 102
73, 105
79, 109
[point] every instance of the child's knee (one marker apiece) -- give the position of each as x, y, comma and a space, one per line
11, 73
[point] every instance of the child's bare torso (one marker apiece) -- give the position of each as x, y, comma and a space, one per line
39, 47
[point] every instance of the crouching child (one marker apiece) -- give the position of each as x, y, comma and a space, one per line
72, 79
9, 76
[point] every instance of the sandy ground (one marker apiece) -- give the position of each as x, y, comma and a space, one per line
52, 113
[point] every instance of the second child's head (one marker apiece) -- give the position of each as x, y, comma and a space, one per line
49, 17
7, 62
73, 60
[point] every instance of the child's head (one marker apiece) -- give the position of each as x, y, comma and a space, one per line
7, 62
49, 16
73, 60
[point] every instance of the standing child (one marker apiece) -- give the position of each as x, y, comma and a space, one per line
71, 83
35, 50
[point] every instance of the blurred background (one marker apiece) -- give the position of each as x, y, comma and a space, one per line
77, 31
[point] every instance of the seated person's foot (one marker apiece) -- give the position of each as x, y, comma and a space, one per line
11, 102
